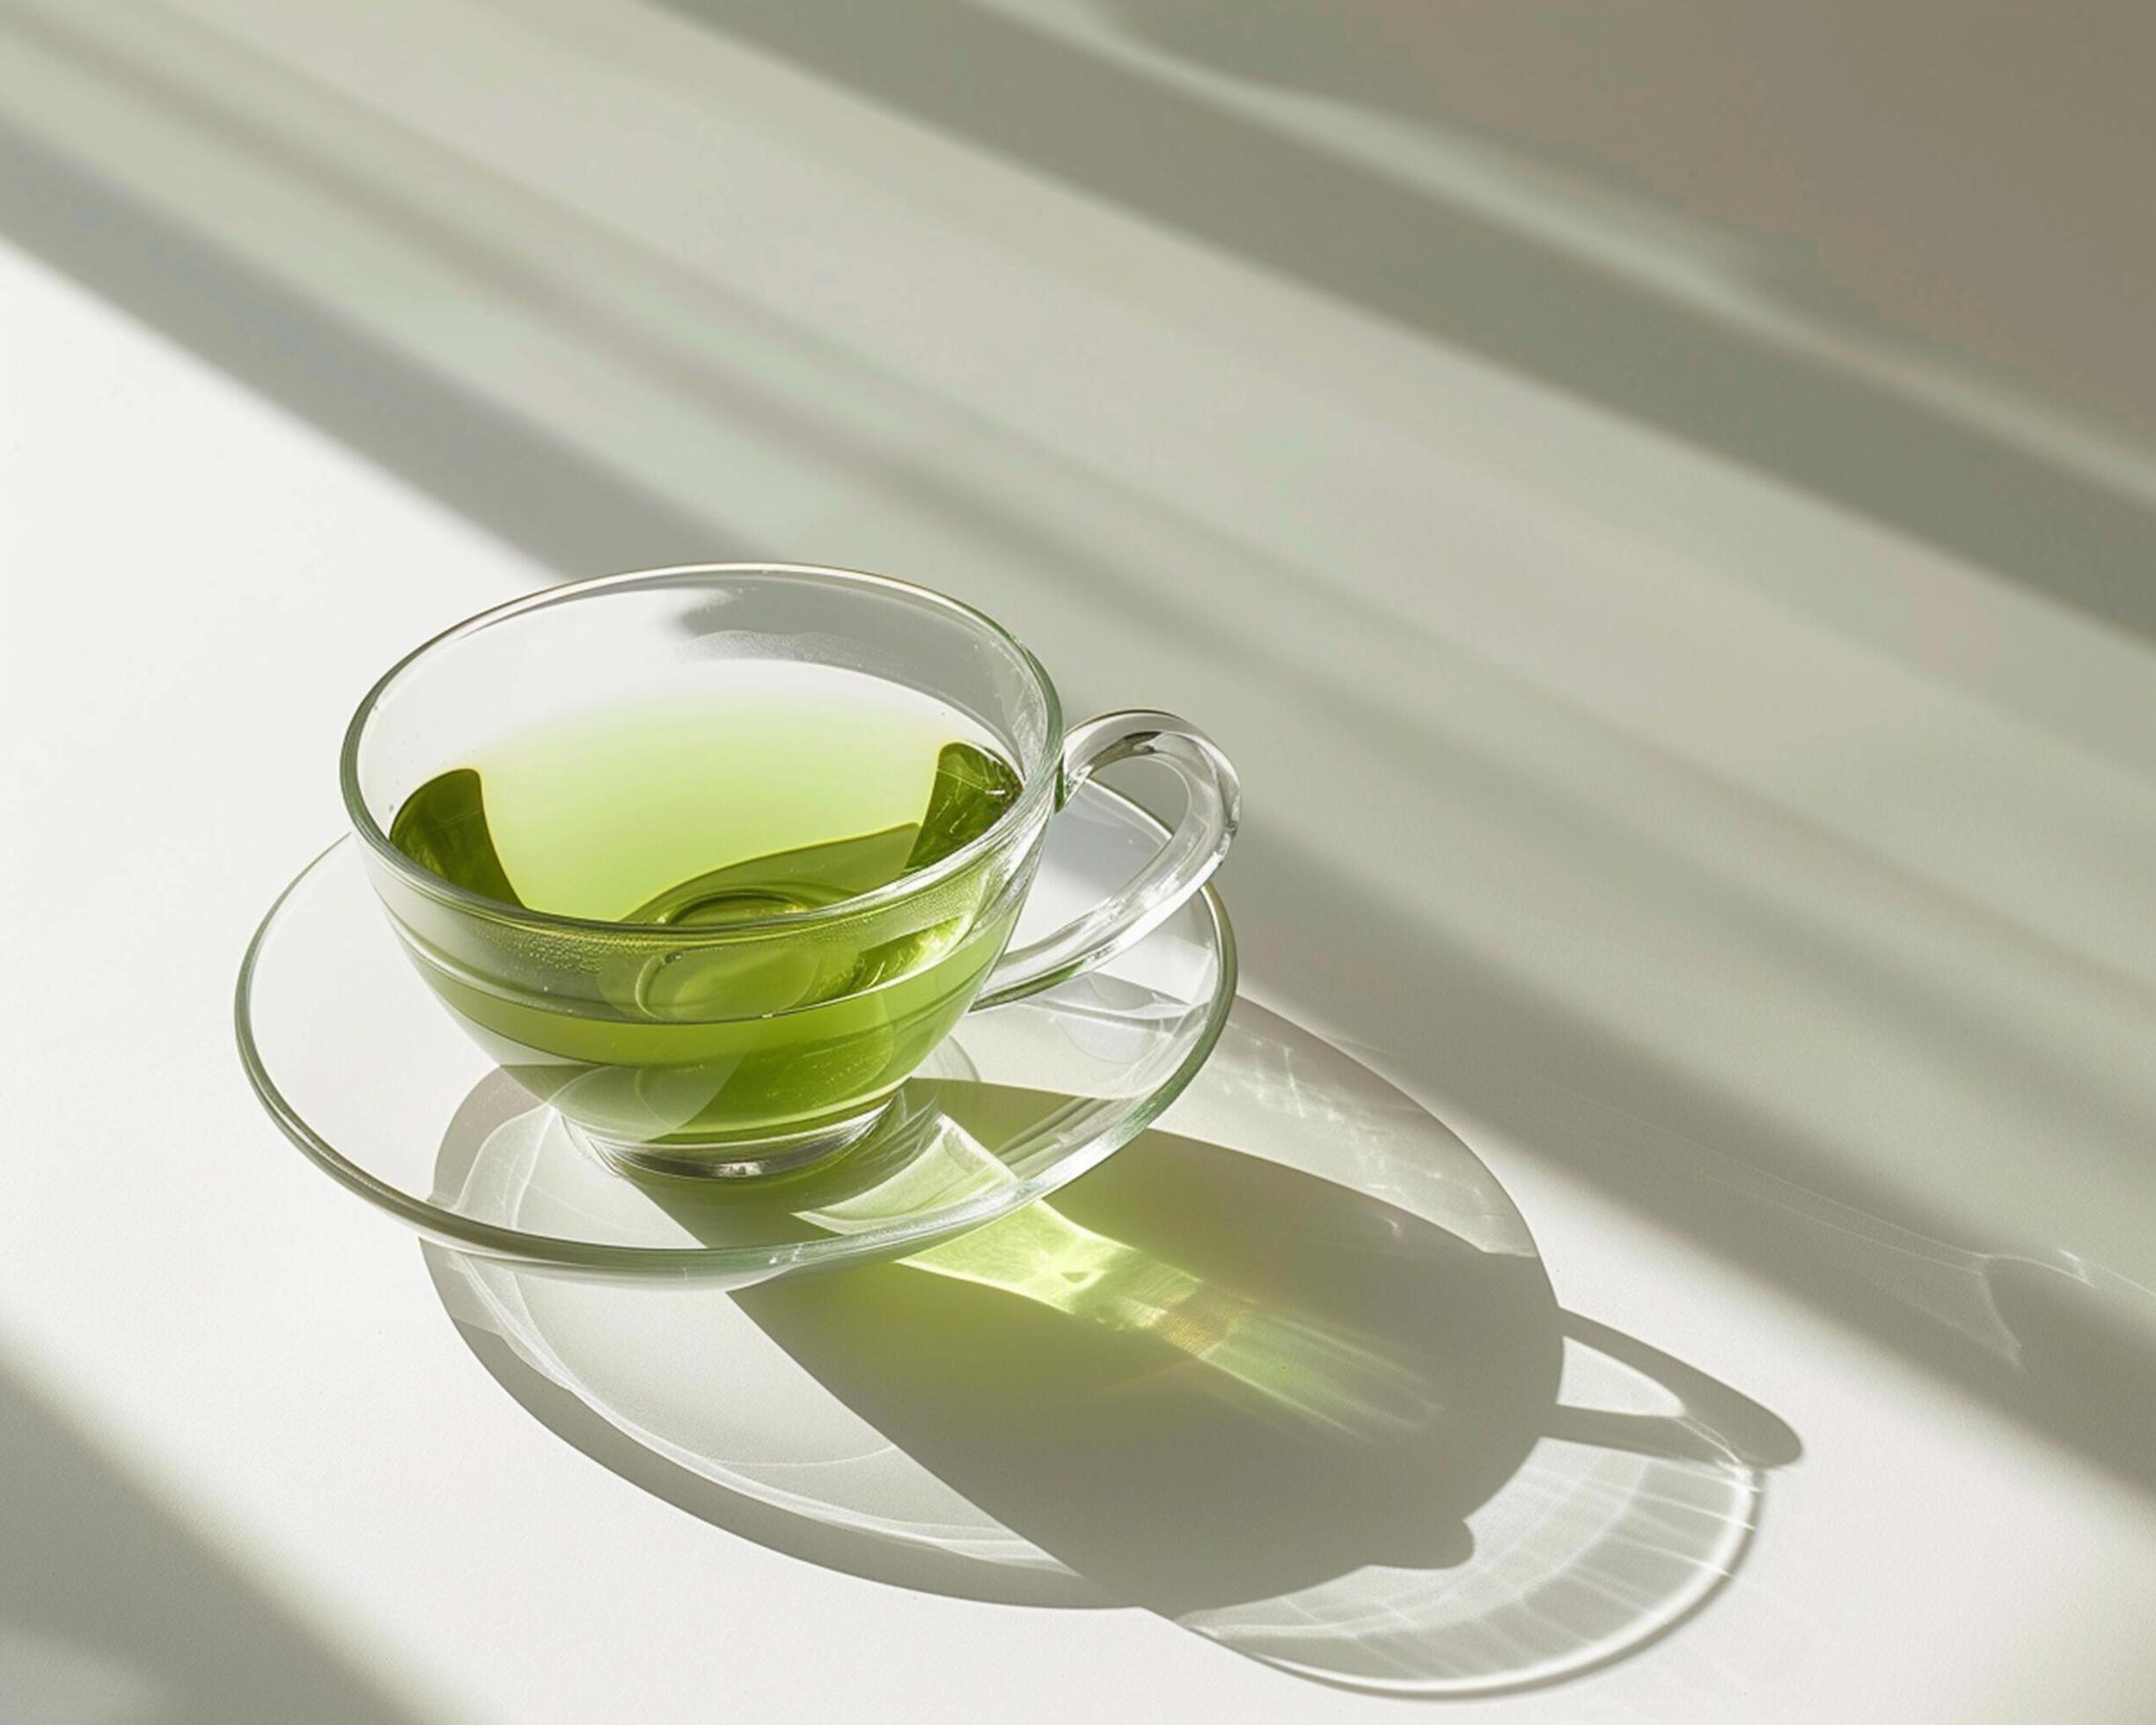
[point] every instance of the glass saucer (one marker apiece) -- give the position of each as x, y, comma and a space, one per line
365, 1073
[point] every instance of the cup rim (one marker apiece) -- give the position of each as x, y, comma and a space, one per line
1035, 785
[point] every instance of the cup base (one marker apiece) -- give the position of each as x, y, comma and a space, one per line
732, 1159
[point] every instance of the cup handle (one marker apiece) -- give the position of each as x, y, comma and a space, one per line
1178, 869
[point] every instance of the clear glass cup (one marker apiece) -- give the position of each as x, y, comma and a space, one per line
702, 1050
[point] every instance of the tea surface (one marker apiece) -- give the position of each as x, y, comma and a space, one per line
784, 787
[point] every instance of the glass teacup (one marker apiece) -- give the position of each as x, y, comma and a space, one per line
759, 1041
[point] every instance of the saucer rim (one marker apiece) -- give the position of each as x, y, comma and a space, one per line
741, 1265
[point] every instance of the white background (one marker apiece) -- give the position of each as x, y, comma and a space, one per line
1757, 881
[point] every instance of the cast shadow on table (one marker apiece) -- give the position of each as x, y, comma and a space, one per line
527, 487
1345, 1430
1631, 113
1635, 119
111, 1607
2043, 1335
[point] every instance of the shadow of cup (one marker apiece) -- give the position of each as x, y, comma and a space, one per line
1310, 1396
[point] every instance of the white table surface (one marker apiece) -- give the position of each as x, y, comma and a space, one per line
1760, 888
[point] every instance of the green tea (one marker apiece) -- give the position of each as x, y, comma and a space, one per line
683, 825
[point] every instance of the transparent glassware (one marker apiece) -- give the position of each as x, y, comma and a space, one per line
718, 1074
377, 1088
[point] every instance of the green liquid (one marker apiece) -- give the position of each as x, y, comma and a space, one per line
798, 790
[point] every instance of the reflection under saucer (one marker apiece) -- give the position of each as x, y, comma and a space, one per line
1293, 1377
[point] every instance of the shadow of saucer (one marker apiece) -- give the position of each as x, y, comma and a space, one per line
1299, 1384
